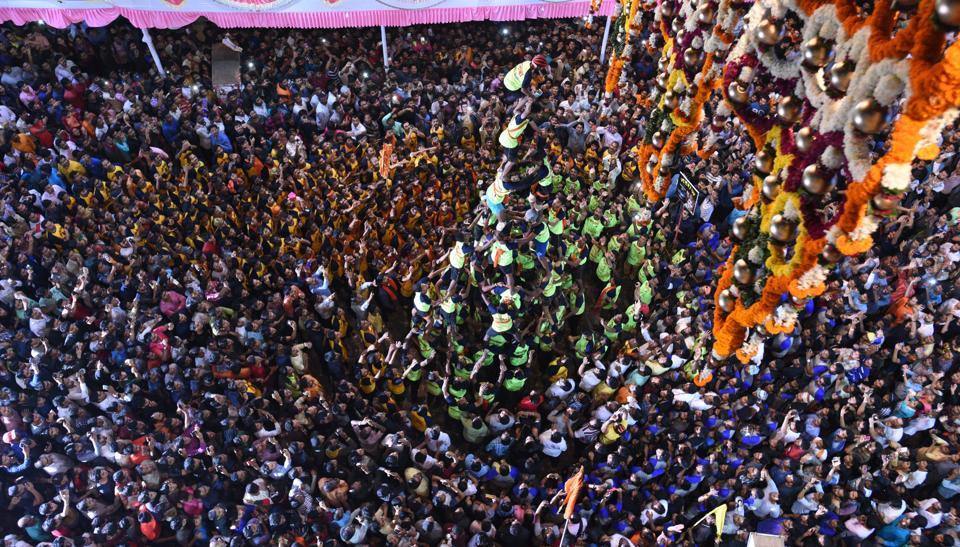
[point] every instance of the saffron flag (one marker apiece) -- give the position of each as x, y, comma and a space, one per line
720, 514
572, 488
385, 154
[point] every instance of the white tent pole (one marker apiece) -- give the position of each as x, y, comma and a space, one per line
606, 34
147, 39
383, 40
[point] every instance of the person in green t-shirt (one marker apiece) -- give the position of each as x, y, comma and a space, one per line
593, 225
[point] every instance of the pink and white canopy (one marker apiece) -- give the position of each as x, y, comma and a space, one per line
290, 13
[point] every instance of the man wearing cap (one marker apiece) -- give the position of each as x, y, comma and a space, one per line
519, 77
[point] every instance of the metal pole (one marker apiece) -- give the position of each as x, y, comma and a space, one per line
563, 535
383, 40
606, 34
147, 39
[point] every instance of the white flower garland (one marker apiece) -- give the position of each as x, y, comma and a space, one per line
813, 277
723, 109
832, 158
725, 22
790, 210
785, 315
755, 255
833, 233
868, 224
688, 14
855, 146
822, 23
833, 115
758, 285
658, 184
896, 177
752, 346
746, 41
889, 88
930, 132
783, 69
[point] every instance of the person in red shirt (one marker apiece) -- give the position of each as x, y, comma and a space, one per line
41, 133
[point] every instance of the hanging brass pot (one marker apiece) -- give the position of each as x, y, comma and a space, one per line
782, 229
839, 76
726, 301
815, 180
817, 53
740, 229
770, 188
763, 162
789, 109
869, 117
743, 272
804, 139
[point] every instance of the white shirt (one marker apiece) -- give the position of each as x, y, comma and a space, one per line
62, 72
550, 448
591, 379
440, 444
560, 389
933, 519
7, 116
854, 527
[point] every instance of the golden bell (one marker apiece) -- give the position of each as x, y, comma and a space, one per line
817, 52
742, 272
770, 188
662, 82
663, 63
737, 93
769, 32
831, 254
763, 162
666, 9
798, 302
885, 202
692, 57
789, 109
804, 139
681, 34
869, 117
706, 16
692, 90
670, 100
740, 229
947, 13
839, 76
726, 300
815, 181
658, 140
782, 230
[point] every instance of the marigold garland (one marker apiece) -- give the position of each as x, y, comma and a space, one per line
932, 90
617, 60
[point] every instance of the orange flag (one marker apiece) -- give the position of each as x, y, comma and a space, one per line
572, 488
385, 155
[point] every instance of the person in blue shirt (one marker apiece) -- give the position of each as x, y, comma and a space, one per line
896, 533
17, 458
170, 129
219, 138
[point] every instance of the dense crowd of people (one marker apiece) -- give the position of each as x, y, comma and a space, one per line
228, 317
